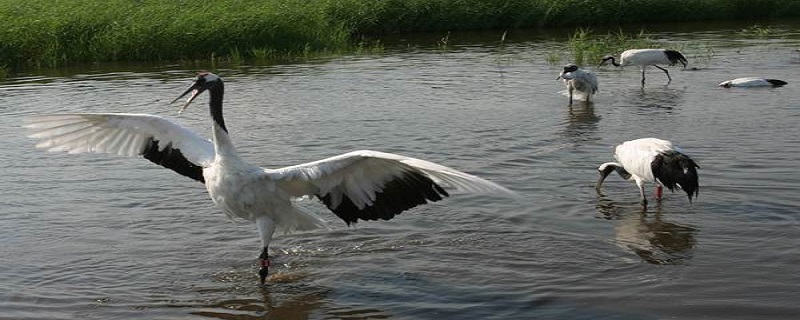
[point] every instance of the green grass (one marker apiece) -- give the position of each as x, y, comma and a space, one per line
56, 33
588, 47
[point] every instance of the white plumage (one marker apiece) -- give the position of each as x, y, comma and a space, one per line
366, 185
652, 160
648, 57
751, 82
582, 81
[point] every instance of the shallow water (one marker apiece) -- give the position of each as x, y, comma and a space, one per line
104, 237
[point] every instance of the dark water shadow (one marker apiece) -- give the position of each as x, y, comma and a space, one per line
647, 234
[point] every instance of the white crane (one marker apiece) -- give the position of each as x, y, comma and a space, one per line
647, 57
366, 185
750, 82
653, 160
579, 80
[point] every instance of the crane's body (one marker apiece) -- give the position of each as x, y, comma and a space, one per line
648, 57
576, 79
360, 185
752, 82
655, 161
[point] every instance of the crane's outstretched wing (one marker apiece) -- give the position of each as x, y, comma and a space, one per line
370, 185
154, 138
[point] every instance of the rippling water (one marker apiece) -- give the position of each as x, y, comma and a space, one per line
104, 237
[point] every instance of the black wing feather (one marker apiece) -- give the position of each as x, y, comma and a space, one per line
399, 194
675, 57
172, 158
776, 82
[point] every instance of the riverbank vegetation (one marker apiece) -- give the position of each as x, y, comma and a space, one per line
47, 34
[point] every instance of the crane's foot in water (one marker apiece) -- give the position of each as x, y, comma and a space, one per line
263, 261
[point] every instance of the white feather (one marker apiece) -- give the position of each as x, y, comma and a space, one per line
643, 57
637, 155
122, 134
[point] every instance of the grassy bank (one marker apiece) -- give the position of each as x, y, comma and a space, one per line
53, 33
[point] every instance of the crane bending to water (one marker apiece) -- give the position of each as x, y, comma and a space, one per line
365, 185
652, 160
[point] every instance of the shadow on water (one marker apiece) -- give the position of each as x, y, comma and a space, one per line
647, 234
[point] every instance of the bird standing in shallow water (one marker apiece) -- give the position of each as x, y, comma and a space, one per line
653, 160
647, 57
365, 185
579, 80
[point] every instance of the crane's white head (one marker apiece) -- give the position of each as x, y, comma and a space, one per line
204, 81
726, 84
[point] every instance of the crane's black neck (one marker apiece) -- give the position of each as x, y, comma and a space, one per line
215, 104
614, 62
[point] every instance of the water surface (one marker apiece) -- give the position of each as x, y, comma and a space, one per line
105, 237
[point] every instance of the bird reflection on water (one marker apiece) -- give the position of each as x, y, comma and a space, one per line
295, 299
581, 122
647, 234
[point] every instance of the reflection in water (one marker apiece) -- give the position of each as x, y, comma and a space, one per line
581, 124
287, 296
295, 307
654, 240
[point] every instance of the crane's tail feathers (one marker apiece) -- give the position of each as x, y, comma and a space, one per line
776, 82
675, 57
673, 168
299, 219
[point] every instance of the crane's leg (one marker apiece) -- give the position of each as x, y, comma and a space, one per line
266, 227
263, 261
659, 192
669, 79
643, 76
570, 94
640, 184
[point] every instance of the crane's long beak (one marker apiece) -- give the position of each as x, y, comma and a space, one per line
195, 92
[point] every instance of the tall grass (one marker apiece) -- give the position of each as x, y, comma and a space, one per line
43, 33
53, 33
588, 47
